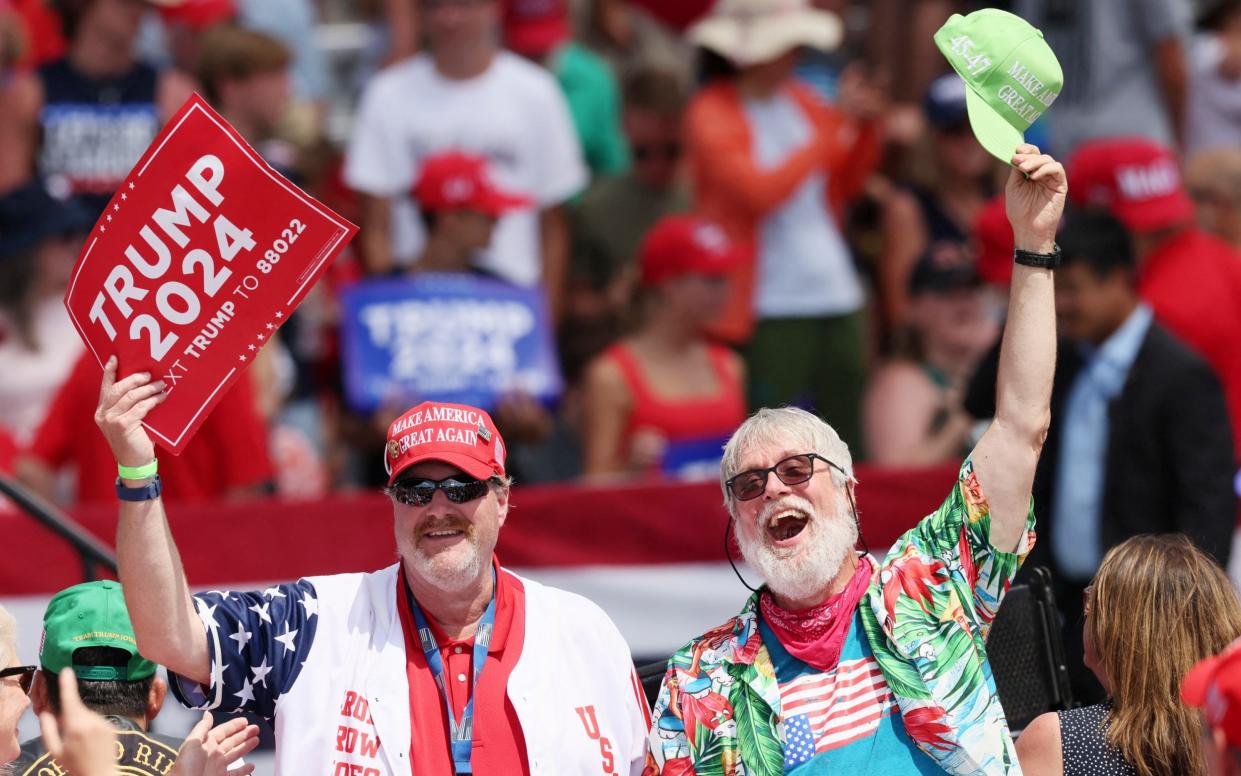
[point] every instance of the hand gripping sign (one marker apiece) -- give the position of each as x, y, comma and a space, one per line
200, 256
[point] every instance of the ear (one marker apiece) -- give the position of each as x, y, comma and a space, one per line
155, 699
38, 694
502, 504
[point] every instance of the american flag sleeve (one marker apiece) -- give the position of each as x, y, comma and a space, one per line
258, 643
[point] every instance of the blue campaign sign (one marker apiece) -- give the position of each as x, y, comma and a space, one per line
694, 459
445, 337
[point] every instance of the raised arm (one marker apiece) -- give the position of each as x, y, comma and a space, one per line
165, 621
1007, 454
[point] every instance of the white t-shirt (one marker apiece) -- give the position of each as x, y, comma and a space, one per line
805, 268
514, 114
1214, 103
31, 378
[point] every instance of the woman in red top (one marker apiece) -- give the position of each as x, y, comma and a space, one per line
665, 397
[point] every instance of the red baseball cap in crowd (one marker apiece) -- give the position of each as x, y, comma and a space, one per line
1137, 179
1214, 685
456, 434
197, 14
458, 181
679, 245
994, 243
533, 28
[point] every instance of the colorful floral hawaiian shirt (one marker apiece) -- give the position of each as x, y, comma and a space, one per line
926, 615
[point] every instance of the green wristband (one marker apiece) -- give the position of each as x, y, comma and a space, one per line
137, 472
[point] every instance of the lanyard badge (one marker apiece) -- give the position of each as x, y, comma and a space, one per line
460, 735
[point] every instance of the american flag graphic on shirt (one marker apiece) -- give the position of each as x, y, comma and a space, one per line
825, 711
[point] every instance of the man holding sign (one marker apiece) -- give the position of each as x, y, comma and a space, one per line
440, 663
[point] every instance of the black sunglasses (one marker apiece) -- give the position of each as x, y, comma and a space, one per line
793, 470
418, 491
24, 674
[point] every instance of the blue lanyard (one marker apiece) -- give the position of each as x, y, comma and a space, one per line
460, 736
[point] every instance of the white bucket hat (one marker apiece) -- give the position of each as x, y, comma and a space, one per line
750, 32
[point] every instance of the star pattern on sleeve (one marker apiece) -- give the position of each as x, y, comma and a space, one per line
259, 642
242, 636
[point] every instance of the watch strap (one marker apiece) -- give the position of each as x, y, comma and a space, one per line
147, 492
1040, 260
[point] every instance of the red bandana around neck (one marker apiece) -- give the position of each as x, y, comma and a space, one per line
816, 635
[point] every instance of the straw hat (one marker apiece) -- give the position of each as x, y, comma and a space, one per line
750, 32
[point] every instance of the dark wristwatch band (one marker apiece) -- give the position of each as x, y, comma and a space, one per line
1041, 260
151, 490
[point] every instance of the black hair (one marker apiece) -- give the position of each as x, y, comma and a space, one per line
18, 275
71, 13
1097, 240
1214, 14
108, 697
430, 219
714, 67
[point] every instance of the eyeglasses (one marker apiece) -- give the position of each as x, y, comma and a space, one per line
24, 674
1087, 595
793, 470
418, 491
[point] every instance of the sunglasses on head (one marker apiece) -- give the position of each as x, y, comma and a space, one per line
793, 470
418, 491
24, 674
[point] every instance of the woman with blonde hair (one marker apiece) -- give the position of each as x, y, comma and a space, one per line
1156, 606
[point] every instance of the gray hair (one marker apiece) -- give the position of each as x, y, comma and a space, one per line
791, 428
8, 637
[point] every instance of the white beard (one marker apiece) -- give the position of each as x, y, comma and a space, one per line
800, 572
451, 570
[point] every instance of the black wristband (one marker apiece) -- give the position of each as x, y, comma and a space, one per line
1040, 260
151, 490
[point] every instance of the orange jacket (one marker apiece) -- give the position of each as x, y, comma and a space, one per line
732, 190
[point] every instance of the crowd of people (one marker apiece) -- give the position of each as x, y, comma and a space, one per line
721, 207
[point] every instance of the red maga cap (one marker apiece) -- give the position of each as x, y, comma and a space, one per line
456, 434
458, 181
197, 14
533, 28
679, 245
1214, 685
1138, 180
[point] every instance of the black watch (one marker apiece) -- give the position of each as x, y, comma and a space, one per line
151, 490
1040, 260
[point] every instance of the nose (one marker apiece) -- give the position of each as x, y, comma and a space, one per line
776, 488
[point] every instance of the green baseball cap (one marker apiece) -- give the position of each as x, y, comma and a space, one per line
1010, 73
91, 614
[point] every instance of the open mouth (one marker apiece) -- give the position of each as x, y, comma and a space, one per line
786, 525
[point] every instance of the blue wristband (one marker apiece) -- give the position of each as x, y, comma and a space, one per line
151, 490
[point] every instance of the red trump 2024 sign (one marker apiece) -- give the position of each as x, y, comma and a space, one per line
202, 254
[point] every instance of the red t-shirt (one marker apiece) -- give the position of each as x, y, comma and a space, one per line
499, 746
1193, 283
229, 451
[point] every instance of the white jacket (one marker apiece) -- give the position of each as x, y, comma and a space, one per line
325, 656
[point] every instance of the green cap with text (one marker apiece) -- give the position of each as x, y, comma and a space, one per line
92, 614
1010, 73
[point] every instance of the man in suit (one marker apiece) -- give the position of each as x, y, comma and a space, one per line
1140, 440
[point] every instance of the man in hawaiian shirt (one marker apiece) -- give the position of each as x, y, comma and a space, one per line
838, 663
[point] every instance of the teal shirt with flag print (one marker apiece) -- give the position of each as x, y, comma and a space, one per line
845, 720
